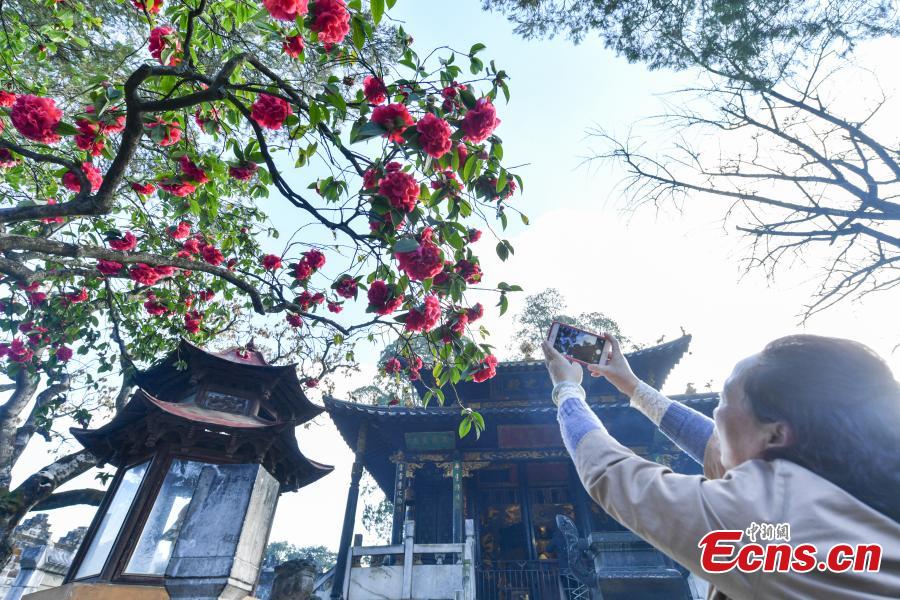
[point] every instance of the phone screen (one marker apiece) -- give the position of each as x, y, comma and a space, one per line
580, 345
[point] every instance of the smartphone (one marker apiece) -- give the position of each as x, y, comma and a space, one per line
579, 345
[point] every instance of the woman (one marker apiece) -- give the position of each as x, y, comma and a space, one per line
807, 433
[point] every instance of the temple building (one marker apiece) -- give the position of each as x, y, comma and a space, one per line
478, 513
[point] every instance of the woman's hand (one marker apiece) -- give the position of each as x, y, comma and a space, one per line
559, 367
615, 368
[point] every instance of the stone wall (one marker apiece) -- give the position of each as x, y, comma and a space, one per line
38, 562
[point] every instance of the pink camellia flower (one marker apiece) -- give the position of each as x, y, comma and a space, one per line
286, 10
374, 90
425, 317
143, 274
318, 298
346, 287
109, 267
172, 131
270, 111
150, 6
392, 366
181, 231
332, 21
88, 137
162, 38
304, 299
206, 295
191, 171
311, 382
294, 320
425, 261
110, 122
434, 135
371, 178
177, 187
63, 353
95, 178
401, 189
124, 244
154, 306
474, 235
52, 220
469, 271
144, 189
165, 270
382, 300
480, 121
270, 262
7, 99
394, 118
76, 297
486, 370
475, 313
18, 351
334, 307
293, 46
212, 255
315, 259
36, 118
244, 171
192, 320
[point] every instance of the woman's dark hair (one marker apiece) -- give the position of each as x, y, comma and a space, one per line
842, 404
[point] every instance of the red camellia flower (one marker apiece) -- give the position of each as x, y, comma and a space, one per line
371, 178
315, 259
392, 366
381, 298
144, 189
77, 297
244, 171
177, 187
172, 131
486, 370
181, 231
286, 10
143, 274
293, 46
108, 267
469, 271
7, 160
206, 295
270, 111
63, 353
334, 307
162, 38
192, 321
475, 313
480, 121
311, 382
124, 244
71, 181
191, 171
154, 306
150, 6
270, 262
401, 189
424, 318
303, 270
110, 121
36, 118
434, 135
395, 118
7, 99
87, 138
474, 235
374, 90
165, 270
294, 320
346, 287
52, 220
332, 21
425, 261
212, 255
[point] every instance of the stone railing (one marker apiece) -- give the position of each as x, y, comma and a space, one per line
400, 571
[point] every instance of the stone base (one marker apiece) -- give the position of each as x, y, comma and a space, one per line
103, 591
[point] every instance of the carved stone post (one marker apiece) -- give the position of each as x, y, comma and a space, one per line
294, 580
457, 525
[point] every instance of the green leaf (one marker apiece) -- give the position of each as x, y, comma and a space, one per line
476, 48
405, 244
64, 128
368, 131
464, 426
391, 3
358, 32
377, 7
502, 251
476, 66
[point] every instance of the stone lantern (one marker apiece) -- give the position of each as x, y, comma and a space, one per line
203, 450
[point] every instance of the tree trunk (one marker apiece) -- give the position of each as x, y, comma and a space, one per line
15, 504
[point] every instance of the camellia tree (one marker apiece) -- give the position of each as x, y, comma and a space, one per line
140, 142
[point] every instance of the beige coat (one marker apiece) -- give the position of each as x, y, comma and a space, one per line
673, 512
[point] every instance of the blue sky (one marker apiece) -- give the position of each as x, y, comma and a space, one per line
654, 272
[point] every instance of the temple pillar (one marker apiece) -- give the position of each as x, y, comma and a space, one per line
457, 525
582, 503
399, 501
528, 524
340, 567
